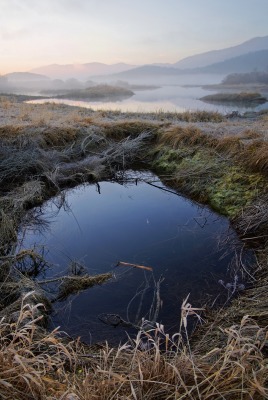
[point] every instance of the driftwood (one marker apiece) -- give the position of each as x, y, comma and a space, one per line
126, 264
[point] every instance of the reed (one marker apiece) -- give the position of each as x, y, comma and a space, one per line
226, 357
36, 365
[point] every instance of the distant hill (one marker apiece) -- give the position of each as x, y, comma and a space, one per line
257, 60
216, 56
25, 76
80, 71
147, 71
246, 57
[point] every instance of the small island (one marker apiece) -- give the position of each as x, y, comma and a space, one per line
245, 98
97, 93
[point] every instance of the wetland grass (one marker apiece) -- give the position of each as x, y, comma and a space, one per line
226, 357
40, 365
246, 98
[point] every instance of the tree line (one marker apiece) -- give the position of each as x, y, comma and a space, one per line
248, 77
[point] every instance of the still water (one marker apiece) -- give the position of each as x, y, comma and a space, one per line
169, 98
187, 245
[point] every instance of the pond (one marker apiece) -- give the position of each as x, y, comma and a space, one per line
138, 221
168, 98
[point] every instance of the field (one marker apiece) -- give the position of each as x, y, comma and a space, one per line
217, 160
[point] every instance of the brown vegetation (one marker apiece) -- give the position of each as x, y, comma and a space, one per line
39, 365
242, 97
98, 92
214, 160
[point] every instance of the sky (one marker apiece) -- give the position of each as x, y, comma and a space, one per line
34, 33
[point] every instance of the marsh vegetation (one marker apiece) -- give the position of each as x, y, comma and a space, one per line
99, 92
217, 160
245, 98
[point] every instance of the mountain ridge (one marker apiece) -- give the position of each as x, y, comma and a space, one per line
215, 56
80, 71
97, 70
243, 63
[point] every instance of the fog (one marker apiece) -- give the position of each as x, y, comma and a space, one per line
170, 93
24, 84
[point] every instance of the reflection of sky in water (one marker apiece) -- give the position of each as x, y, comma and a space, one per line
138, 224
166, 98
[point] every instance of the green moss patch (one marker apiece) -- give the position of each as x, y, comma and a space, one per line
235, 190
206, 176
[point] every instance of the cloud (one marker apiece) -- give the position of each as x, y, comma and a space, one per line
13, 34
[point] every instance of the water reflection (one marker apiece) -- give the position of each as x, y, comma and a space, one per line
173, 98
188, 247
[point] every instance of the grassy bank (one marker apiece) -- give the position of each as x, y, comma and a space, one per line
97, 93
213, 159
245, 98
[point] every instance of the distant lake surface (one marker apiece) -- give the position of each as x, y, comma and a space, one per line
169, 98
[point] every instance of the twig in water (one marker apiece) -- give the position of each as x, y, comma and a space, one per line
126, 264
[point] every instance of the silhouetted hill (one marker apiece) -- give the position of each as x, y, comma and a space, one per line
147, 71
216, 56
25, 76
80, 71
257, 60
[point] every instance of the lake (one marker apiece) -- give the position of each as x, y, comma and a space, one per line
187, 245
171, 98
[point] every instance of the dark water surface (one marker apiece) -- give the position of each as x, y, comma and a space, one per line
188, 245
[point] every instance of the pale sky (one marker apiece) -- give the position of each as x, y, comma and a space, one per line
34, 33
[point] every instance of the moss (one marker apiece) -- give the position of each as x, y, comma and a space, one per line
167, 160
209, 178
234, 190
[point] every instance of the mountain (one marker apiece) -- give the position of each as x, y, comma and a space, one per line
25, 76
81, 71
146, 75
216, 56
257, 60
146, 71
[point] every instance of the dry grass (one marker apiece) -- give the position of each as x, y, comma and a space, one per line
32, 363
242, 97
181, 135
121, 129
202, 116
6, 102
249, 149
255, 156
252, 223
228, 360
35, 365
10, 131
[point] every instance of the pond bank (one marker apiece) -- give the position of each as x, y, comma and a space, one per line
216, 160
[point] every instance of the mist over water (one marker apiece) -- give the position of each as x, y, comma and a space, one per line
170, 95
167, 99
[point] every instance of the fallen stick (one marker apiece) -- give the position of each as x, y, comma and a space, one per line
125, 264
